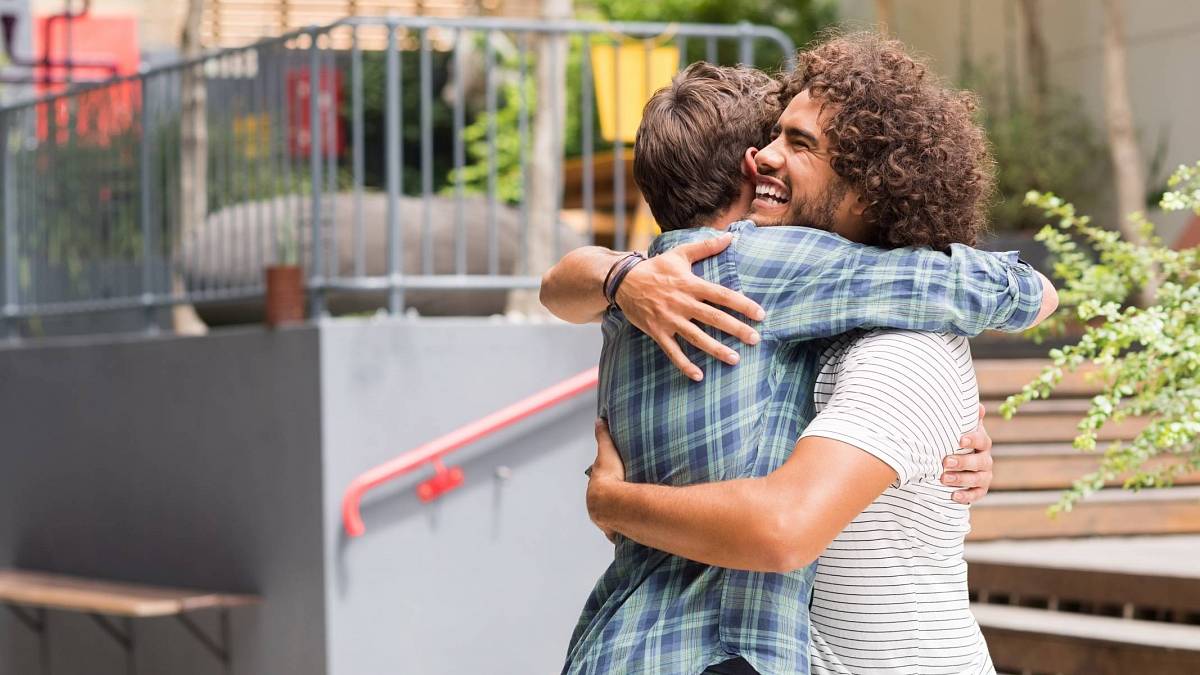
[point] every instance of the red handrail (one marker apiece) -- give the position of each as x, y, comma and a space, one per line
433, 451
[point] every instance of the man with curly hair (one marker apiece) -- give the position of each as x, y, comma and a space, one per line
734, 596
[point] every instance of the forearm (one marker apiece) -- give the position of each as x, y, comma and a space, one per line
573, 289
729, 524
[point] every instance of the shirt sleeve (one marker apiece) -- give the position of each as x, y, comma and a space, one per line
901, 398
814, 284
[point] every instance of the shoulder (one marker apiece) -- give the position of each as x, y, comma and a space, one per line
909, 369
751, 237
908, 349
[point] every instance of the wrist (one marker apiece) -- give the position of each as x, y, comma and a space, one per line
599, 500
617, 274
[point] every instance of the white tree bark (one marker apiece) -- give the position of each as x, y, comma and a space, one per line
1118, 113
1122, 136
193, 159
545, 156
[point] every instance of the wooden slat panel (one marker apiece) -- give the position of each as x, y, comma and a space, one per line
1022, 515
1114, 588
998, 378
1058, 471
1054, 427
56, 591
1021, 639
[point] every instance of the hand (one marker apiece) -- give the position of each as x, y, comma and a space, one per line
973, 471
607, 467
662, 298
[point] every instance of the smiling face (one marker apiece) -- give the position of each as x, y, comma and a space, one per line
794, 181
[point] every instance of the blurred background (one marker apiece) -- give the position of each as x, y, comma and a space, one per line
262, 257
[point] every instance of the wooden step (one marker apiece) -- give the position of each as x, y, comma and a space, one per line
1022, 515
999, 378
1040, 641
1048, 427
1054, 466
1141, 573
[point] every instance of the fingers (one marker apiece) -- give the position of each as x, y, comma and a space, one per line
969, 496
977, 440
708, 344
705, 249
970, 462
966, 479
719, 295
724, 322
982, 412
671, 348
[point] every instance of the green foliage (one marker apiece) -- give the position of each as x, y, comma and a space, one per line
374, 92
1147, 358
1056, 147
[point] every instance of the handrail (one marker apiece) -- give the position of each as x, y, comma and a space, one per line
433, 451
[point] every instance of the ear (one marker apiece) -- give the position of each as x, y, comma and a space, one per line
749, 166
859, 206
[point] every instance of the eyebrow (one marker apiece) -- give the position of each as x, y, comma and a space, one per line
797, 134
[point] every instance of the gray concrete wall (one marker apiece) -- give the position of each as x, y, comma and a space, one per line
219, 462
183, 462
490, 578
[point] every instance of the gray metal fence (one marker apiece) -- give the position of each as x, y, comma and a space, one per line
387, 156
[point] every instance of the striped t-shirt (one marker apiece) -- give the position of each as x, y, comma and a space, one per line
890, 594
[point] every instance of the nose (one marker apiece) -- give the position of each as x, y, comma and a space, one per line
768, 160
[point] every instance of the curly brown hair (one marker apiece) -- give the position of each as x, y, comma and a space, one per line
908, 144
687, 156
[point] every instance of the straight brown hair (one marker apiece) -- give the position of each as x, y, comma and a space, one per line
689, 146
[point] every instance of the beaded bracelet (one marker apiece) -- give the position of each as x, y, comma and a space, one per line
617, 273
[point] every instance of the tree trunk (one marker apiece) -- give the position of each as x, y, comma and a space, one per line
1035, 51
546, 153
1122, 137
885, 17
193, 160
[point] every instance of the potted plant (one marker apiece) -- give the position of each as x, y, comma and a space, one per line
285, 294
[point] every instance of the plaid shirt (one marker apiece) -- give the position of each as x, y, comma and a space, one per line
652, 612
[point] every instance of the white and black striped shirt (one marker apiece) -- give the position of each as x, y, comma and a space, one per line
891, 590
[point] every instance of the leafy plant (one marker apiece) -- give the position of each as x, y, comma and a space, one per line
1052, 147
1147, 358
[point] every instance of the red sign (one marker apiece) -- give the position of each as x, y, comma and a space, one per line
103, 112
329, 99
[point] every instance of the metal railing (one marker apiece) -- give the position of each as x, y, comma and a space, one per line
446, 479
388, 157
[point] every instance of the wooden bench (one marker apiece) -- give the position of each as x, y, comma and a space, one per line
28, 595
1039, 641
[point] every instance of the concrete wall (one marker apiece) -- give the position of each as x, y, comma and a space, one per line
490, 578
219, 462
181, 462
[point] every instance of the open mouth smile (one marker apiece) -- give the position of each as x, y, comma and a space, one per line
771, 191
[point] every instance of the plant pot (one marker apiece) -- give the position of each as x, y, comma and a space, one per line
285, 295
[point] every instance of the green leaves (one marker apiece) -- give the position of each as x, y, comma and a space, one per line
1147, 358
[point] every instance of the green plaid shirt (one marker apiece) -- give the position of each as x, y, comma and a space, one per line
652, 612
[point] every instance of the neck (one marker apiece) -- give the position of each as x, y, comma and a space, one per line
726, 218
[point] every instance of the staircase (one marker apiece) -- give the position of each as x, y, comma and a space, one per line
1035, 462
1111, 588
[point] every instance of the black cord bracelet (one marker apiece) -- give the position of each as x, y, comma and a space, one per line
617, 274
